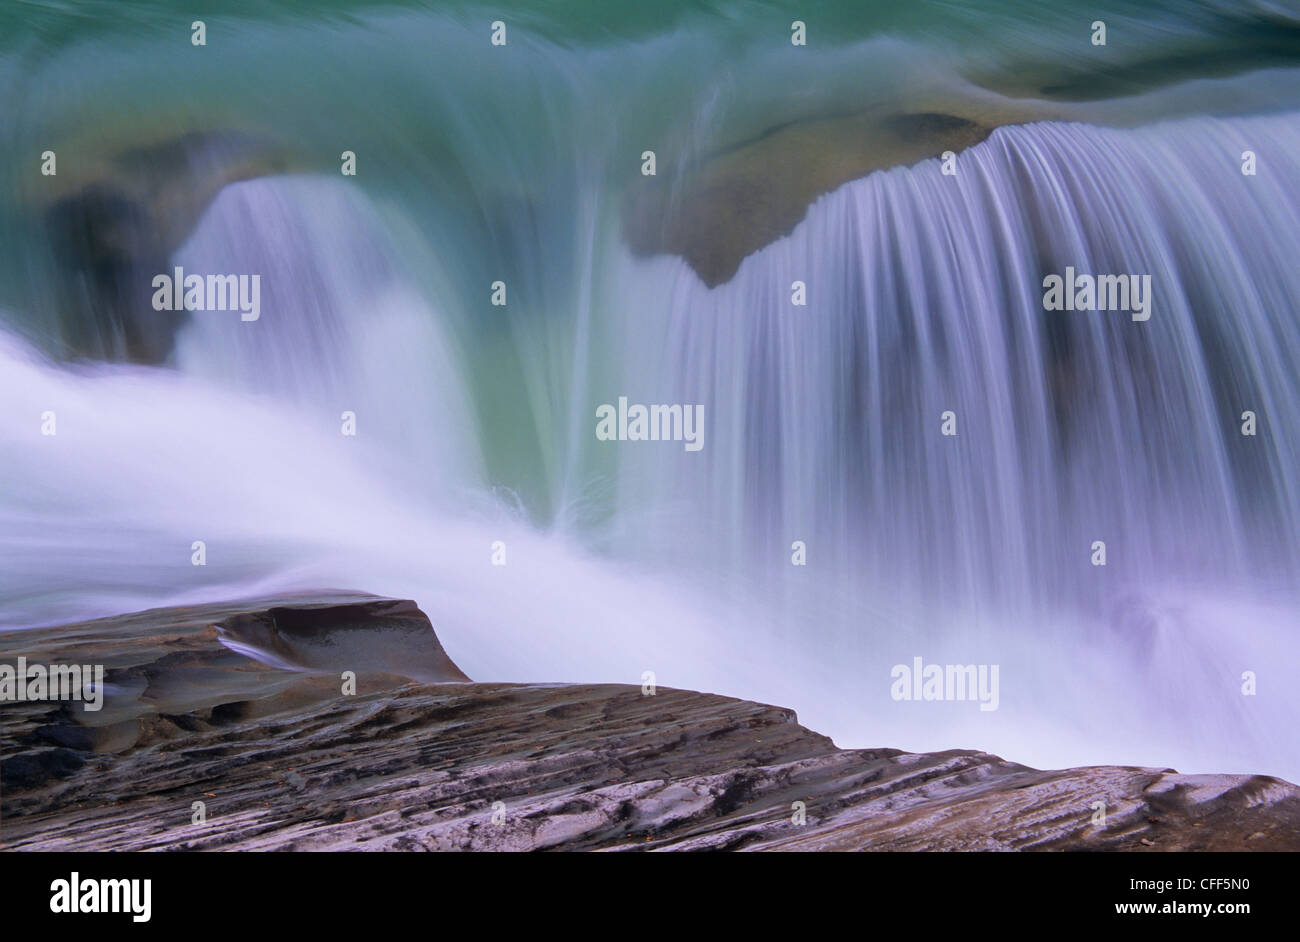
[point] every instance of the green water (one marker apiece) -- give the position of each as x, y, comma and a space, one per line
510, 162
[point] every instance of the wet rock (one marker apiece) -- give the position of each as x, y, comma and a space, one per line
282, 759
113, 222
386, 635
39, 767
733, 204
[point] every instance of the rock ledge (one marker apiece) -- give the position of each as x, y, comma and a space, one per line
283, 760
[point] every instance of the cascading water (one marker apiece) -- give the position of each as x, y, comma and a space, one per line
475, 423
925, 295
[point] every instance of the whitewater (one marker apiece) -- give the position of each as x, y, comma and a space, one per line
824, 429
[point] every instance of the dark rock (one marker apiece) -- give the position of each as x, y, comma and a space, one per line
39, 767
283, 760
113, 226
715, 214
387, 636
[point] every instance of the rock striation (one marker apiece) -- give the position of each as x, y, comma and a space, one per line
241, 708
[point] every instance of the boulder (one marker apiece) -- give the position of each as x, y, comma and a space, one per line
113, 221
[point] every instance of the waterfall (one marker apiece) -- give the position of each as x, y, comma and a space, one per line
823, 422
924, 296
240, 446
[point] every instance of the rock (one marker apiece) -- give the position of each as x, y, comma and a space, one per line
734, 203
282, 759
113, 222
383, 636
39, 767
715, 211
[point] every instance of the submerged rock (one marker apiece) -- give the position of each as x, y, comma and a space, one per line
734, 203
282, 759
715, 211
113, 222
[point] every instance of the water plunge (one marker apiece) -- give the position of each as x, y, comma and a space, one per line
924, 298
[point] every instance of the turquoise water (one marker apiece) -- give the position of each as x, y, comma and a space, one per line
494, 154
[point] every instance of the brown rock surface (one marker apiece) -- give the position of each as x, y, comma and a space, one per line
283, 760
738, 202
